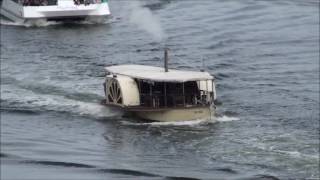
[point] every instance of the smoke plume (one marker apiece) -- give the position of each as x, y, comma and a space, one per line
146, 20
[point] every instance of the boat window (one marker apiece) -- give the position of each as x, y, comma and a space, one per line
52, 2
169, 94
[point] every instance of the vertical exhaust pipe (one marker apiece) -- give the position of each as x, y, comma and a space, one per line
166, 59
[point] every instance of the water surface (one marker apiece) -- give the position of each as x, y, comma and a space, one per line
264, 54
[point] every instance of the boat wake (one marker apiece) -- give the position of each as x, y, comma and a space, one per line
299, 155
225, 118
40, 23
10, 23
213, 119
56, 103
30, 23
175, 123
45, 23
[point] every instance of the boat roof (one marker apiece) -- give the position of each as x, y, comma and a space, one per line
153, 73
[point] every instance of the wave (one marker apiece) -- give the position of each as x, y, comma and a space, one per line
264, 177
128, 172
62, 164
104, 170
20, 110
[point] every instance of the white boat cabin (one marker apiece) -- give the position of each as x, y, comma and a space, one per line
139, 87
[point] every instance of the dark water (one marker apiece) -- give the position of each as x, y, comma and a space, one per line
265, 55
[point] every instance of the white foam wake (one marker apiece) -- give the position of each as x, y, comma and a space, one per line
30, 23
57, 103
297, 154
225, 118
10, 23
171, 123
196, 122
45, 23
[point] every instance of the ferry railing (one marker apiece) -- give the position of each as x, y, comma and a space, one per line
38, 2
173, 100
55, 2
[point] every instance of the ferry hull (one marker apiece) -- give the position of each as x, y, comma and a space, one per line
176, 114
19, 13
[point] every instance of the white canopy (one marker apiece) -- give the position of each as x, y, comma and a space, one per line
157, 73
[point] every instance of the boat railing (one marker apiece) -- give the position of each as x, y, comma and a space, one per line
173, 100
38, 2
88, 2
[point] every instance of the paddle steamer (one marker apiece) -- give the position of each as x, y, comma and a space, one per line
160, 94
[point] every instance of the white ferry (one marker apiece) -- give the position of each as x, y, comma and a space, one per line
33, 10
160, 94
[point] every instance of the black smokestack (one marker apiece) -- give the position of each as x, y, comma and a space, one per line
166, 59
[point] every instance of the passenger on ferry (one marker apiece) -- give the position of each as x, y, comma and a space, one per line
34, 2
76, 2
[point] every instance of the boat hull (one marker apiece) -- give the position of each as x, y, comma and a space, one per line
166, 114
19, 13
170, 115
